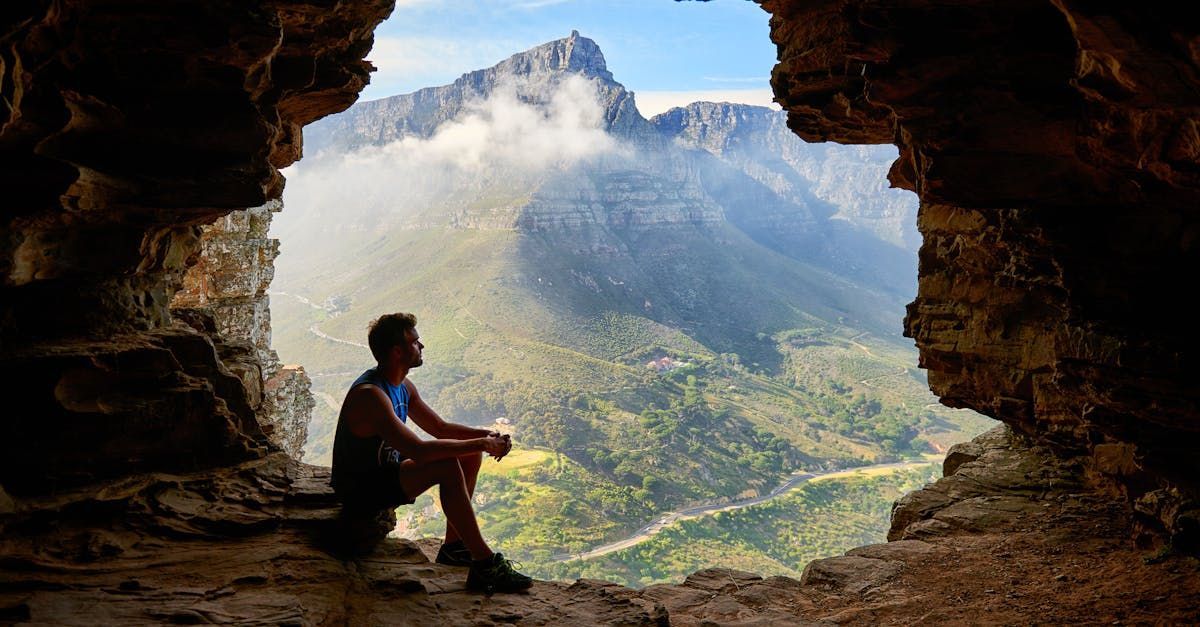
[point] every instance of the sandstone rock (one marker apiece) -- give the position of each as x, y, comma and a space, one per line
287, 408
125, 128
960, 454
896, 551
264, 541
99, 409
1057, 224
850, 574
729, 597
1006, 479
225, 295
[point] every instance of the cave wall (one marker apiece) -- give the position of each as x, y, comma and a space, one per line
1055, 148
125, 126
224, 294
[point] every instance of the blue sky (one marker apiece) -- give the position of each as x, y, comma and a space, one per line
668, 52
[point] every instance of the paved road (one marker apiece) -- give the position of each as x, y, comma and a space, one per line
324, 336
665, 520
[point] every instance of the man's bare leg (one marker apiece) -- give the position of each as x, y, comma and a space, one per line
448, 475
470, 465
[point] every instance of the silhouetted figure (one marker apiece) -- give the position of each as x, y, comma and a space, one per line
378, 462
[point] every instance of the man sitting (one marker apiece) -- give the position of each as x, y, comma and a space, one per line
378, 462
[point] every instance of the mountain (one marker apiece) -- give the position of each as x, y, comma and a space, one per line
666, 311
420, 113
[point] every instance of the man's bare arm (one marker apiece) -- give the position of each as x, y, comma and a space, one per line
433, 424
370, 413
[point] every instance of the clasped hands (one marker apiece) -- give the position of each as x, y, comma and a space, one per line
497, 445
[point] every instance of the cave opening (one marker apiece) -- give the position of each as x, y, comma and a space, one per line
1056, 165
624, 379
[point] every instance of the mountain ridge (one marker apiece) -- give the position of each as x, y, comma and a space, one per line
553, 243
419, 113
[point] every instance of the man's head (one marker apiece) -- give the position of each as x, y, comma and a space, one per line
393, 338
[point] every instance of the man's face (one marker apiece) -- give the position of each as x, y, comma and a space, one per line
409, 353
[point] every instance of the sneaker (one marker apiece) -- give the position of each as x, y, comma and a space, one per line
496, 575
454, 554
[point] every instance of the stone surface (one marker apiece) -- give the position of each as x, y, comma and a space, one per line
850, 573
127, 126
1053, 146
227, 285
89, 409
1001, 484
263, 542
287, 409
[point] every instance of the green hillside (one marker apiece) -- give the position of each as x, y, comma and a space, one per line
665, 313
772, 377
816, 520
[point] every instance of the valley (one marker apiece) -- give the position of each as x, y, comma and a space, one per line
674, 313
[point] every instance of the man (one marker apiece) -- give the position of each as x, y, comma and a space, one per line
378, 462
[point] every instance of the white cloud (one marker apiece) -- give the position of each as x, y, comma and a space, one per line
499, 142
651, 103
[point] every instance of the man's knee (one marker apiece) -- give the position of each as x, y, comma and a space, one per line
447, 468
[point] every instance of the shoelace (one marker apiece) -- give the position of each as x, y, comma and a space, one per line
508, 567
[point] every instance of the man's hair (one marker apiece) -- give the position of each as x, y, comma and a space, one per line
388, 331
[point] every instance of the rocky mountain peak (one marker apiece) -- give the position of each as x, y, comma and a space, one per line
575, 53
715, 126
535, 71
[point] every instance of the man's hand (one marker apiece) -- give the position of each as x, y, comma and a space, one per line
507, 441
496, 445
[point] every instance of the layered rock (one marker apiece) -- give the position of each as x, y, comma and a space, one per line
1054, 149
823, 182
262, 542
228, 284
125, 128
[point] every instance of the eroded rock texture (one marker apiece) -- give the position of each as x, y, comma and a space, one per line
228, 284
1056, 153
263, 542
125, 126
1054, 147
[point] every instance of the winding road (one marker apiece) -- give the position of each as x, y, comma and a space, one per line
660, 523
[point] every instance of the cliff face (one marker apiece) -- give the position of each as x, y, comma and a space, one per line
1054, 147
1055, 151
226, 289
534, 73
707, 165
758, 141
125, 128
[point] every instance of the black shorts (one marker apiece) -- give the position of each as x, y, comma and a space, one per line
377, 489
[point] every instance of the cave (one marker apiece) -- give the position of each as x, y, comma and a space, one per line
147, 474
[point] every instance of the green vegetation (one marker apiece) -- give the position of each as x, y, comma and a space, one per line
767, 372
779, 537
539, 508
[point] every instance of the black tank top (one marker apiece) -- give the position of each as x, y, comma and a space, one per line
355, 457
